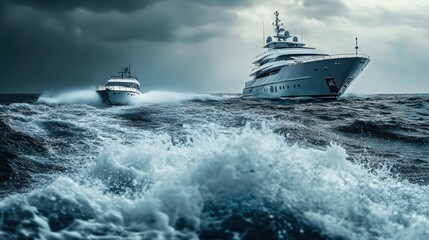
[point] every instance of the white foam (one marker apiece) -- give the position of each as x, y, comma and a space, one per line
165, 181
175, 97
77, 96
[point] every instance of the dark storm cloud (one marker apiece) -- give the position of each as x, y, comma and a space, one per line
92, 5
35, 57
223, 3
161, 22
150, 21
61, 44
116, 5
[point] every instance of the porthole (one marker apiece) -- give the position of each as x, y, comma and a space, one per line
299, 85
316, 69
294, 86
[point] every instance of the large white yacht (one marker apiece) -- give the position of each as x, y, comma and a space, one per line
120, 90
289, 69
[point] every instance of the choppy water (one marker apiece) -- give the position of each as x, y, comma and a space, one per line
201, 166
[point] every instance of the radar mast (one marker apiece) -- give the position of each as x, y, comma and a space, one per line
278, 29
126, 71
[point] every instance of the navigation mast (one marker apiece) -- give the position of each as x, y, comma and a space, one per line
278, 29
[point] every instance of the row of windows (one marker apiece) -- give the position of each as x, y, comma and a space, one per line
129, 94
122, 84
278, 88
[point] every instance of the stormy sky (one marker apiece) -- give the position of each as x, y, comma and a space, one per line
202, 45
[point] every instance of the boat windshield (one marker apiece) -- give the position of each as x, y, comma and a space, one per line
123, 84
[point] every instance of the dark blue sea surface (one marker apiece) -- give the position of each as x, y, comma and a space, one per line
214, 166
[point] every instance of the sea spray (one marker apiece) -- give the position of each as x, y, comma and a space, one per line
173, 182
215, 169
160, 97
90, 97
77, 96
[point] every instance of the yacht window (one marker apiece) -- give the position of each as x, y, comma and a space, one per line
294, 86
288, 86
299, 85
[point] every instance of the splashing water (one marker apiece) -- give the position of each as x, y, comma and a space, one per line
212, 170
90, 97
151, 188
83, 96
173, 97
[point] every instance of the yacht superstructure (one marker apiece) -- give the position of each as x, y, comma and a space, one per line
120, 90
289, 69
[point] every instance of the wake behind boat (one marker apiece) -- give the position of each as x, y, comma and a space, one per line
120, 90
288, 69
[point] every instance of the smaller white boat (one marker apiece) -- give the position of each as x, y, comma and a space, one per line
120, 90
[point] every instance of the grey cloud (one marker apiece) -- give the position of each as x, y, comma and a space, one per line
224, 3
321, 9
382, 16
92, 5
163, 21
44, 49
35, 58
116, 5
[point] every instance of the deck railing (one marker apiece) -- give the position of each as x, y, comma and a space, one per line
333, 56
321, 57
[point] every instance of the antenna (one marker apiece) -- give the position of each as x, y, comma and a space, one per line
263, 30
278, 29
356, 46
302, 33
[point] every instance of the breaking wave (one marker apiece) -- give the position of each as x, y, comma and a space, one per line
176, 97
82, 96
218, 185
90, 97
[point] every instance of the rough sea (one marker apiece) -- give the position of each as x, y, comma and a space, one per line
214, 166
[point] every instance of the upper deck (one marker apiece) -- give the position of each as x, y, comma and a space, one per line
125, 79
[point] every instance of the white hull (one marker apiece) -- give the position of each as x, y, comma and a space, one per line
118, 97
120, 90
324, 78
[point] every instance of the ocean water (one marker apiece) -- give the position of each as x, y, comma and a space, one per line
214, 166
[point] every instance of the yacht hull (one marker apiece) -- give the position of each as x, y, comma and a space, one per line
325, 78
117, 97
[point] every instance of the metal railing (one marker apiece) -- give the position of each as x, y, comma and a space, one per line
335, 56
123, 77
331, 56
317, 58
